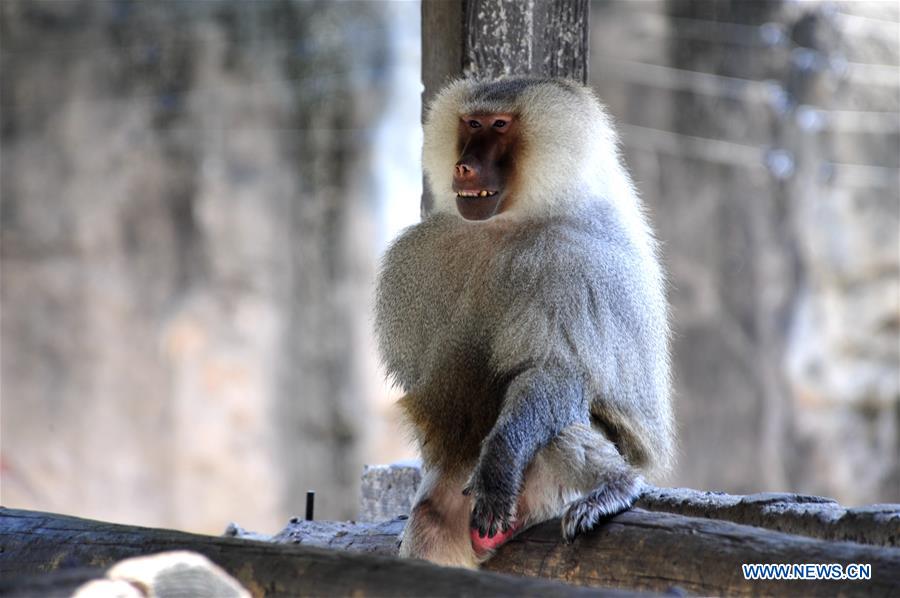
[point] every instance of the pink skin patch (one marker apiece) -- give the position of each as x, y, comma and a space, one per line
483, 545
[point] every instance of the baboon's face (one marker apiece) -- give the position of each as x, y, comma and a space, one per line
487, 146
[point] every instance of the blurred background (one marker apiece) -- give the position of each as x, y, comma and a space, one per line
194, 196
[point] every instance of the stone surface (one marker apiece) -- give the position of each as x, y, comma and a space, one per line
765, 139
187, 252
388, 491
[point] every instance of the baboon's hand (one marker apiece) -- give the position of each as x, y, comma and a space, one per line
494, 498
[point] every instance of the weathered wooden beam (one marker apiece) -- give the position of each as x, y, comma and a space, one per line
510, 37
812, 516
490, 38
33, 543
648, 551
656, 551
442, 45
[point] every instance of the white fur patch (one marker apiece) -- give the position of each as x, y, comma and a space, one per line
569, 154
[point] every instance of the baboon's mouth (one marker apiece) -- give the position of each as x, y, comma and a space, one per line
478, 205
476, 193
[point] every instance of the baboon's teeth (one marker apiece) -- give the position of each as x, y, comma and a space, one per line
482, 193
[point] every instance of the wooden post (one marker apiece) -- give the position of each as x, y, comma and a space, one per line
487, 39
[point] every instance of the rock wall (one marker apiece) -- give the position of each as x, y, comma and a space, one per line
765, 139
186, 254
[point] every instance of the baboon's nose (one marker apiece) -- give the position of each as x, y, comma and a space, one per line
464, 172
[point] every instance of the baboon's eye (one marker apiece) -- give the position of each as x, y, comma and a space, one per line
474, 124
499, 123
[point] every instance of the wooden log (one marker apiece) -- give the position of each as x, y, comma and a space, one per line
812, 516
56, 584
41, 543
649, 551
655, 551
637, 550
